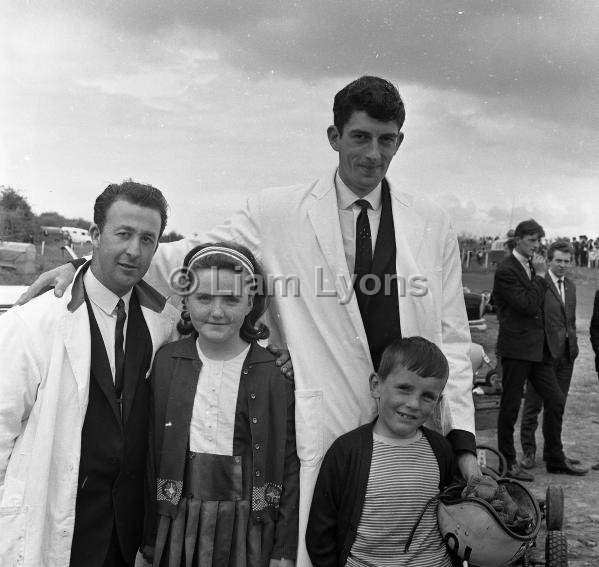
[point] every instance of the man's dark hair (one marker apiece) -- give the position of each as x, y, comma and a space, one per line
375, 96
527, 227
560, 246
134, 193
416, 354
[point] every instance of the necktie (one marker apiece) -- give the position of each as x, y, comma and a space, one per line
119, 351
560, 287
363, 263
532, 269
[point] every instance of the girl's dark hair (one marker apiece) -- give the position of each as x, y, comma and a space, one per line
251, 329
416, 354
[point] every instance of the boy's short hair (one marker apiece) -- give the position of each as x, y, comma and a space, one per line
416, 354
559, 246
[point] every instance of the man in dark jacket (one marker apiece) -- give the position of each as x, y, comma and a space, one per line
560, 332
595, 340
519, 291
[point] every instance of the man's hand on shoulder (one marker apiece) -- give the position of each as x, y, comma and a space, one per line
59, 278
283, 360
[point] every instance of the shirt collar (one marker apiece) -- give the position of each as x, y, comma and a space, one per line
105, 299
521, 258
554, 277
346, 197
240, 357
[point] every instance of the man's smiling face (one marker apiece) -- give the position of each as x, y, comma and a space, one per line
366, 147
124, 247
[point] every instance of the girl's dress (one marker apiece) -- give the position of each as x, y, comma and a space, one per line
224, 460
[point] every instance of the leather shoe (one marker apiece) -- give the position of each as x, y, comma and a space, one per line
595, 467
566, 467
516, 472
528, 461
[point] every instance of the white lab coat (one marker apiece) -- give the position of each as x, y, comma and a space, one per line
295, 232
45, 359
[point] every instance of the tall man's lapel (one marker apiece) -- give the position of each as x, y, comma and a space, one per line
410, 236
324, 216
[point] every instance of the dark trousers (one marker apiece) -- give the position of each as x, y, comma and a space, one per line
542, 376
533, 404
114, 557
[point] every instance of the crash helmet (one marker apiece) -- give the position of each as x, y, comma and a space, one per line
475, 532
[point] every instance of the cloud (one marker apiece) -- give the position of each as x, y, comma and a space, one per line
212, 100
538, 57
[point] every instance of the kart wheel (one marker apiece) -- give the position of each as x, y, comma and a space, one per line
492, 379
556, 549
554, 508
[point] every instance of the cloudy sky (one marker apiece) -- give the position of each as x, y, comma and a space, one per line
211, 100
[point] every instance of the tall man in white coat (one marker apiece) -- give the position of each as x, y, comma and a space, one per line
353, 225
74, 397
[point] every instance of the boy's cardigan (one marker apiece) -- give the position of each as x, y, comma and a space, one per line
341, 488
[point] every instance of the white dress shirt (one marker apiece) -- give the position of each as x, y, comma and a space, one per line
560, 289
213, 419
103, 303
348, 215
523, 260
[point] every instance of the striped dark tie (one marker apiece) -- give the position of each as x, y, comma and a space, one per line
119, 351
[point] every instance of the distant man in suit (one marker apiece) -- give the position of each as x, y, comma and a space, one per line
74, 397
519, 290
594, 330
560, 332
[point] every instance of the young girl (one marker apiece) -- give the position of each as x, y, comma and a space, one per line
226, 473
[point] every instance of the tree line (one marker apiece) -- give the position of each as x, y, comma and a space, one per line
18, 222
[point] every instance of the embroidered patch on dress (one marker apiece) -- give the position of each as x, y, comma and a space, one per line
268, 494
169, 490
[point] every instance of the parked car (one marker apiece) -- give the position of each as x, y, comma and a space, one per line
477, 304
78, 235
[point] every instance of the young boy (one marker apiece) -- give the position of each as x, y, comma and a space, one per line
376, 480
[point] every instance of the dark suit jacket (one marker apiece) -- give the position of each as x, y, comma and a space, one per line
560, 319
113, 451
519, 302
595, 330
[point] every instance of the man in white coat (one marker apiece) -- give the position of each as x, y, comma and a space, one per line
74, 397
351, 229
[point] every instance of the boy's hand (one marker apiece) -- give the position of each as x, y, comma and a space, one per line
281, 563
59, 278
283, 360
468, 465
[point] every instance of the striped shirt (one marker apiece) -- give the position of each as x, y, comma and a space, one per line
404, 476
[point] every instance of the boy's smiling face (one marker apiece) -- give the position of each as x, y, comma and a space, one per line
405, 401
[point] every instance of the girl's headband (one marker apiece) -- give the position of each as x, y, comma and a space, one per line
221, 250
